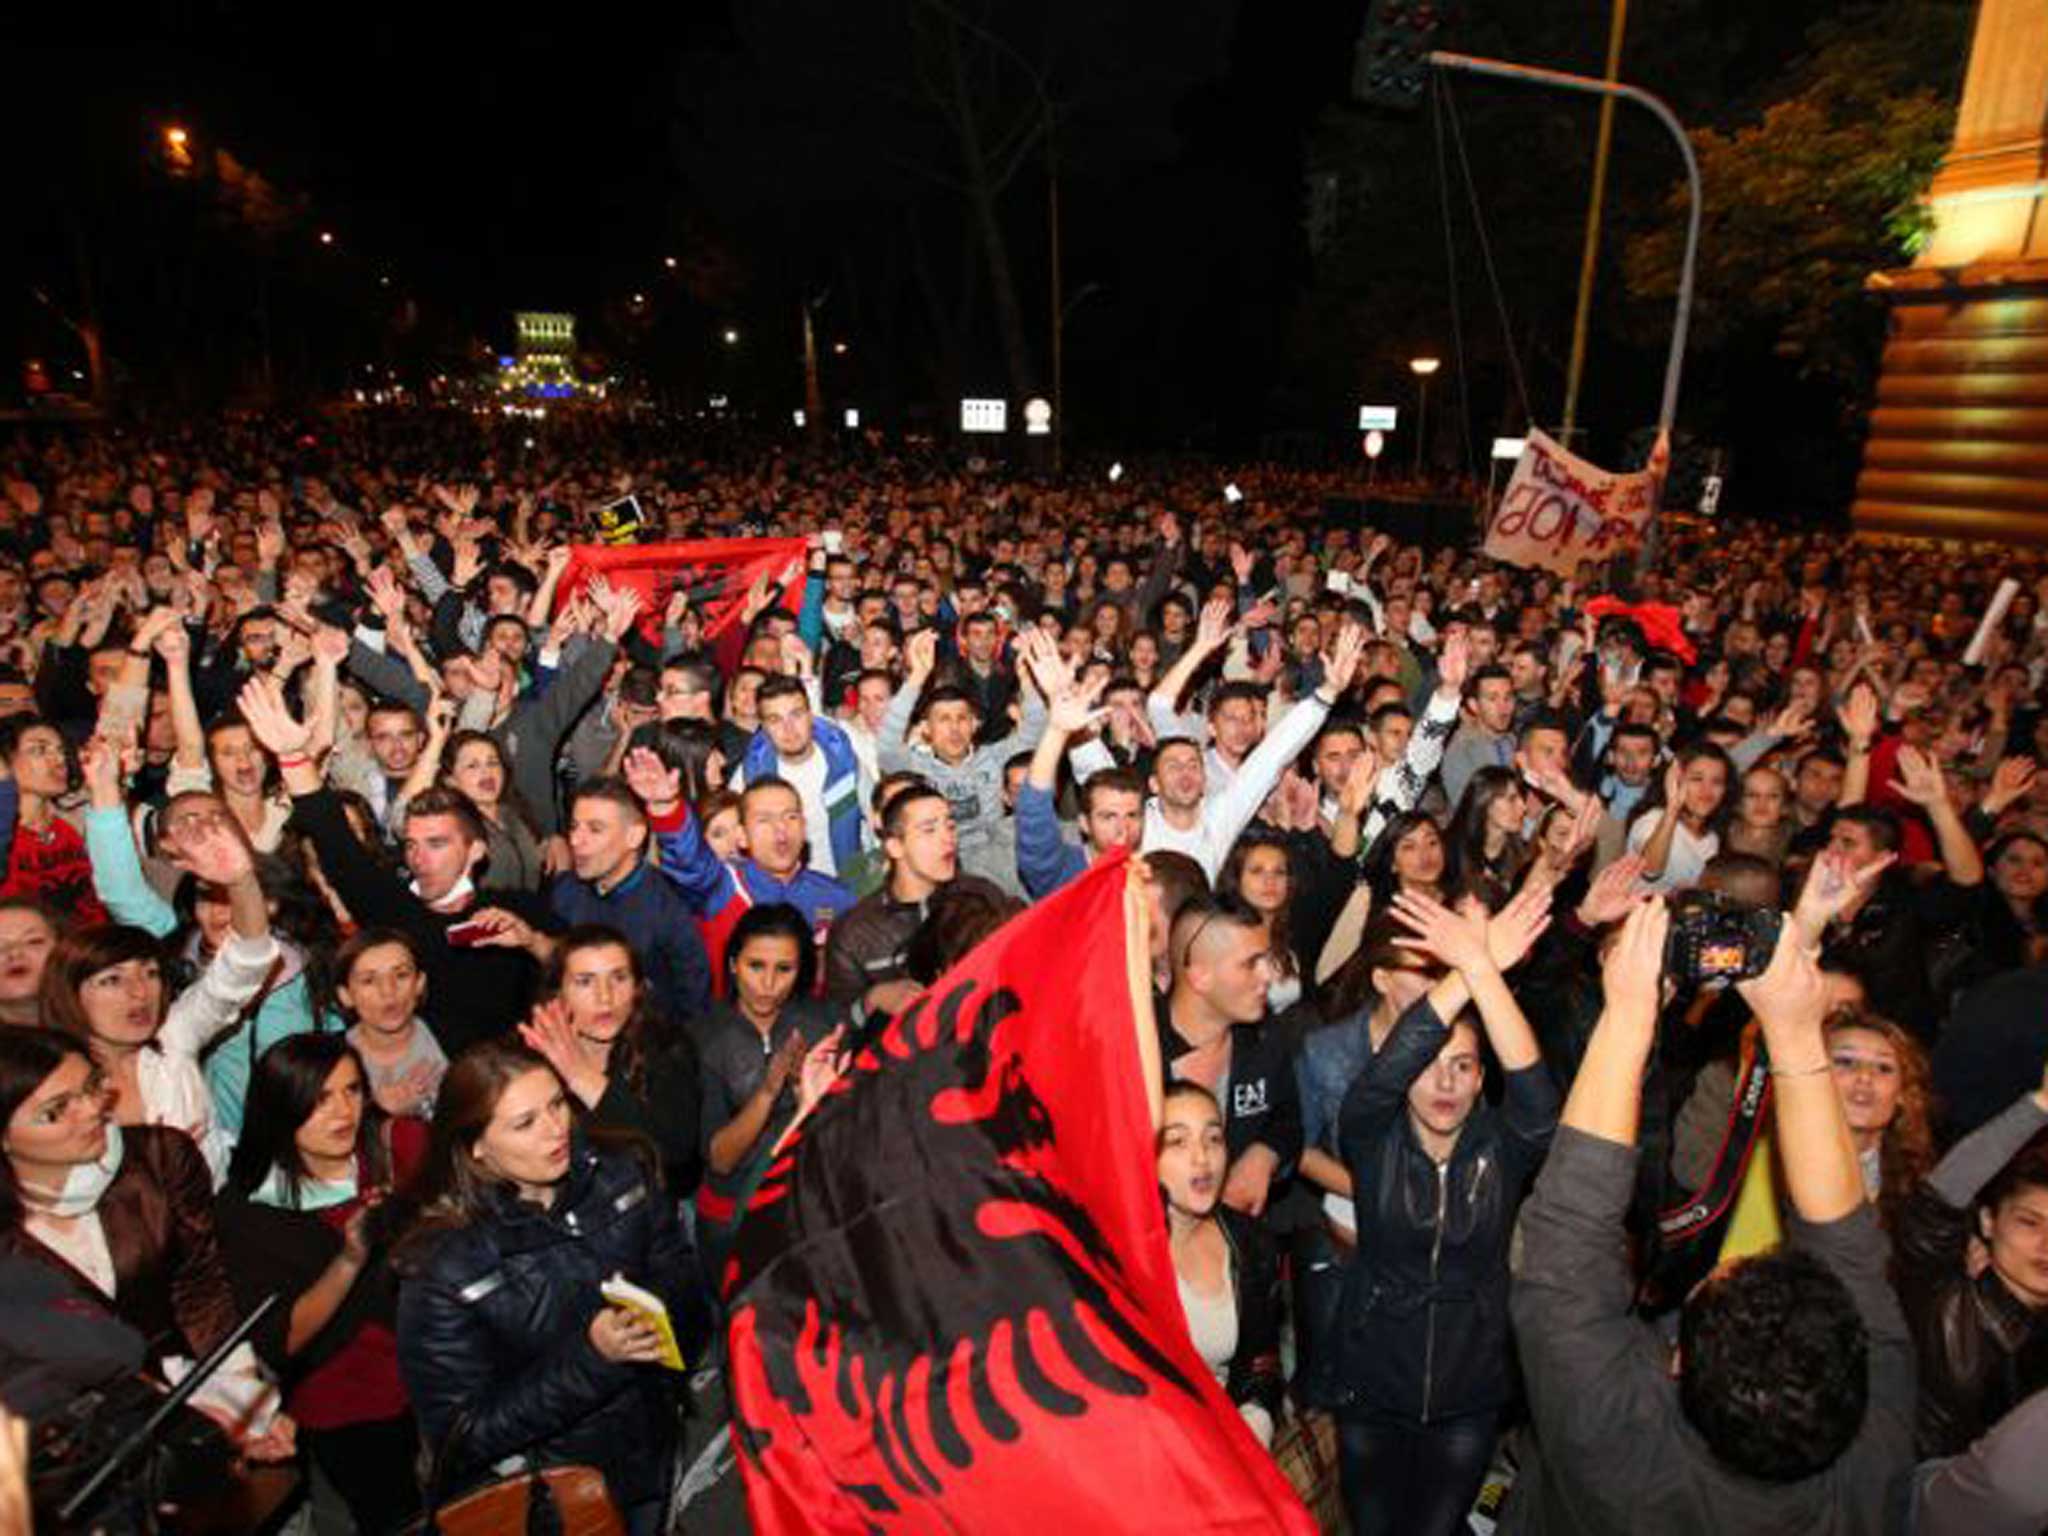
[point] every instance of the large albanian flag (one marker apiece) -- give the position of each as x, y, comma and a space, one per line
714, 574
952, 1303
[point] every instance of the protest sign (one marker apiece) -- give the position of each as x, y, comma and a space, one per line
1559, 509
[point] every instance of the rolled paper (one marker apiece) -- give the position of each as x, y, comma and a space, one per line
1994, 616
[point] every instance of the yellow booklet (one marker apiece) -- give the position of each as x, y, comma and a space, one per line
650, 1309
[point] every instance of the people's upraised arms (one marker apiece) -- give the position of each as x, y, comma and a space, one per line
286, 737
659, 786
1606, 1096
1790, 1002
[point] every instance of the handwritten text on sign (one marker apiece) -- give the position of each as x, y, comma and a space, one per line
1560, 510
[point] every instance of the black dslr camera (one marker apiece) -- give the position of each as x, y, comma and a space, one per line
1715, 939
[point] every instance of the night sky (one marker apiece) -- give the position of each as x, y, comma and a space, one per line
785, 150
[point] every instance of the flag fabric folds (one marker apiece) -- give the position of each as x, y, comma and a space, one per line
715, 573
952, 1305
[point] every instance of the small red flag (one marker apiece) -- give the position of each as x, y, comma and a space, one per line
952, 1304
715, 573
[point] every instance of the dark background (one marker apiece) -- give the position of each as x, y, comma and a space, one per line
469, 163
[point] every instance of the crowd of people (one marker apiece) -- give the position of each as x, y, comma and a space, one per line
1603, 1017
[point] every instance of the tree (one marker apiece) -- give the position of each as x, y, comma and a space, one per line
1822, 189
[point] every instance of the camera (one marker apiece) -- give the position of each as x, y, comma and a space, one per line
1717, 940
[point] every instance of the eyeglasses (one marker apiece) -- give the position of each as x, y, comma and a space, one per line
92, 1091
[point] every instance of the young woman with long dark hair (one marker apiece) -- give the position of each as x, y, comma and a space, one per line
629, 1065
754, 1043
315, 1160
505, 1344
1223, 1261
1486, 852
1678, 826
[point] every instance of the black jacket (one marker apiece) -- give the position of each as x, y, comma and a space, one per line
494, 1320
1981, 1349
474, 992
1423, 1330
1263, 1101
1255, 1369
870, 945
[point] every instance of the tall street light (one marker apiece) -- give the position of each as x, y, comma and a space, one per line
1423, 368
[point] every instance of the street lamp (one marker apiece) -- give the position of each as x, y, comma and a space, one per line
731, 337
1423, 368
669, 262
327, 237
839, 349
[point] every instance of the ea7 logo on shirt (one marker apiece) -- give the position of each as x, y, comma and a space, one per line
1247, 1099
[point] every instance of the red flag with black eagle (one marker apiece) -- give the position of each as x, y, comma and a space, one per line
714, 573
952, 1305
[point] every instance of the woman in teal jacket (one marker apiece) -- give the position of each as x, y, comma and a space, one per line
284, 1006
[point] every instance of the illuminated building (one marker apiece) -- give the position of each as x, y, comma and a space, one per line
544, 367
1956, 437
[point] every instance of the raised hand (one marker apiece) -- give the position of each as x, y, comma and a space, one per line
921, 654
1299, 802
1453, 664
1920, 779
214, 851
1832, 888
620, 611
659, 786
1633, 973
270, 721
1792, 722
1458, 939
1790, 1000
1513, 931
1341, 664
1241, 563
1212, 628
549, 1033
1071, 707
1858, 716
384, 593
469, 562
796, 656
2011, 781
330, 645
1360, 780
1613, 893
270, 541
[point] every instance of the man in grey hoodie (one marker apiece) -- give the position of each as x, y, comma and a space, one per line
969, 776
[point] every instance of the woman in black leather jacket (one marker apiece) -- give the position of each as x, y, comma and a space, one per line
506, 1346
1983, 1339
1223, 1261
1422, 1347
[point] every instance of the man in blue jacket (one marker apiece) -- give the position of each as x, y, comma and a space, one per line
614, 884
815, 758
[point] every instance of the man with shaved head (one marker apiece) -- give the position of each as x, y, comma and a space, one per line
1213, 1031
